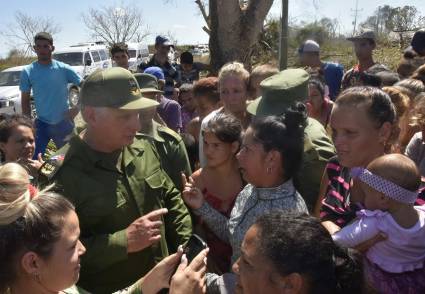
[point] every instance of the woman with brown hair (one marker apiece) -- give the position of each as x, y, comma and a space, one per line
362, 121
220, 182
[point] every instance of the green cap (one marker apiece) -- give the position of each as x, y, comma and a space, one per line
280, 91
148, 83
114, 87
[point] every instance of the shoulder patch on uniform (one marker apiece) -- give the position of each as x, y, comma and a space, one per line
169, 132
51, 166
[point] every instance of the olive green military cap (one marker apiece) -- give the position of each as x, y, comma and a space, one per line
148, 83
113, 87
280, 91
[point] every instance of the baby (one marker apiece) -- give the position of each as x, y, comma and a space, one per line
389, 186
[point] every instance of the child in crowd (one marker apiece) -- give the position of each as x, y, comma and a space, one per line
188, 104
402, 104
319, 105
207, 99
17, 143
415, 150
389, 187
258, 74
189, 70
220, 181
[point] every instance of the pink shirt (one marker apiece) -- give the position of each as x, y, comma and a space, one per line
403, 250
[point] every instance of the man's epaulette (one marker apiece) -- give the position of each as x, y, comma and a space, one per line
169, 133
50, 167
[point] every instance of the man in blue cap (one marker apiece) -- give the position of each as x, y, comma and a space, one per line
160, 59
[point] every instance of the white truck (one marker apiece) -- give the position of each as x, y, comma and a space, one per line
84, 58
138, 53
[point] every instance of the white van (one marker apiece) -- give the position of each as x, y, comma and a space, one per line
84, 58
138, 53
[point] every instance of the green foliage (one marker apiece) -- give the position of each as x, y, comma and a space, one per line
400, 20
268, 46
312, 31
15, 57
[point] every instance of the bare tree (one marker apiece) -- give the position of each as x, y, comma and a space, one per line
21, 33
114, 24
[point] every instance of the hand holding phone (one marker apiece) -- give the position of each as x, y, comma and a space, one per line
193, 247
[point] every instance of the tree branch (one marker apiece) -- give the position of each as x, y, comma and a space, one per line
203, 12
115, 24
254, 15
206, 30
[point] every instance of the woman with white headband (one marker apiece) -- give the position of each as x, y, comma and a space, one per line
389, 186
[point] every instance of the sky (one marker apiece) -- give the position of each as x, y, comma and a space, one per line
179, 17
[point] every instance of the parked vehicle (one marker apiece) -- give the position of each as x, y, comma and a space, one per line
138, 53
84, 58
10, 95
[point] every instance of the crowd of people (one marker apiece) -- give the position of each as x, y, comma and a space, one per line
305, 180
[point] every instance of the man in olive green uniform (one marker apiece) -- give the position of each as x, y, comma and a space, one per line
169, 144
279, 92
117, 186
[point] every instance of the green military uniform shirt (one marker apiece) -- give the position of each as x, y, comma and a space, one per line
108, 197
318, 149
172, 152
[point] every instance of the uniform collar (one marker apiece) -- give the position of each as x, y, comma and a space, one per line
155, 133
96, 157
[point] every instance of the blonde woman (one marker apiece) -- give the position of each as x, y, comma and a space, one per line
233, 83
40, 251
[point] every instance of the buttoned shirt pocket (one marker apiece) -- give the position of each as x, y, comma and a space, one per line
109, 207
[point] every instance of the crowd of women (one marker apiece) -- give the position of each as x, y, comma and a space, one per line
366, 228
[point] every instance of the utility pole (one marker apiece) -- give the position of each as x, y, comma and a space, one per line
378, 21
355, 14
284, 31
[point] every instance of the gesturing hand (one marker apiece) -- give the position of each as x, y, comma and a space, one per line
145, 231
192, 196
190, 278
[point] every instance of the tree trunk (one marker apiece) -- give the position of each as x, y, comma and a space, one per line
235, 30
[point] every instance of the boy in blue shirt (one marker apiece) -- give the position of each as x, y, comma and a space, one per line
49, 81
